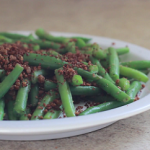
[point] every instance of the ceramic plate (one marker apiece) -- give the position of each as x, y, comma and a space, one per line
67, 127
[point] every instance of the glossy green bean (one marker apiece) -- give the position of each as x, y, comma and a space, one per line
106, 85
5, 39
12, 115
39, 111
35, 47
2, 73
132, 73
134, 88
113, 64
93, 68
85, 90
13, 35
42, 34
10, 80
71, 47
87, 50
76, 80
65, 94
24, 116
36, 73
83, 38
105, 63
80, 43
124, 84
54, 53
120, 51
123, 50
139, 64
33, 95
102, 107
52, 114
101, 71
48, 85
22, 97
101, 98
45, 44
99, 54
2, 106
46, 62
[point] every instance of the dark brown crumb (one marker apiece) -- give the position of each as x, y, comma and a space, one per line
143, 86
117, 81
29, 115
40, 117
41, 79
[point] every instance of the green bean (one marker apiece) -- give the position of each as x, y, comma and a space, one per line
2, 105
54, 53
132, 73
85, 90
122, 50
2, 73
10, 80
39, 111
101, 98
83, 38
48, 85
134, 89
79, 90
35, 47
124, 84
24, 116
93, 68
106, 85
102, 107
113, 64
33, 95
76, 80
30, 37
101, 71
22, 96
65, 94
80, 43
45, 44
52, 114
46, 62
36, 73
12, 115
71, 47
139, 64
25, 45
42, 34
13, 35
87, 50
99, 54
5, 39
104, 63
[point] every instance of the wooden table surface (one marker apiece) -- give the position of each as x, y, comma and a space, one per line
125, 20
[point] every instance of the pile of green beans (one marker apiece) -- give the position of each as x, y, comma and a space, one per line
109, 82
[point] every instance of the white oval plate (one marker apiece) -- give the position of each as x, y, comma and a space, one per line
66, 127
